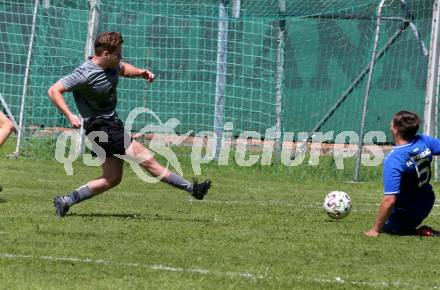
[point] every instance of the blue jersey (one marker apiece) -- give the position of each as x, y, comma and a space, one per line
407, 169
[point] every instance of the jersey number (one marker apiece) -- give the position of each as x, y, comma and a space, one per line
423, 170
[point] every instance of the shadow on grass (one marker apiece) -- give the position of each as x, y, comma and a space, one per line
105, 215
137, 216
343, 220
2, 200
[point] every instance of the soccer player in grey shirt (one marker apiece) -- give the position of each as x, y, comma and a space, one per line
94, 84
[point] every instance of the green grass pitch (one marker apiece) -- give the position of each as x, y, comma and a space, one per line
259, 228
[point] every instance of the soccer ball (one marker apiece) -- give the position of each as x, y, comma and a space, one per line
337, 204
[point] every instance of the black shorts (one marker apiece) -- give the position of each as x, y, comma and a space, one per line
114, 128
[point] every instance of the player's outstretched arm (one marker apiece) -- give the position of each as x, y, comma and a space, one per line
129, 71
384, 213
55, 93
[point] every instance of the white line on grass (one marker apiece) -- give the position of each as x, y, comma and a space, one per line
281, 203
247, 275
277, 202
374, 284
378, 284
156, 267
357, 206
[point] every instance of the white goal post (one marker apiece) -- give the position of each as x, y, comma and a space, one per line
430, 125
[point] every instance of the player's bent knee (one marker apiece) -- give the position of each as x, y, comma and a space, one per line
115, 181
9, 126
112, 181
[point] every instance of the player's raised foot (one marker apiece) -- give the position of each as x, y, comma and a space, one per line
61, 207
425, 231
200, 189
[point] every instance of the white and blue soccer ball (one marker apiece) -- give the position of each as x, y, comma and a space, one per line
337, 204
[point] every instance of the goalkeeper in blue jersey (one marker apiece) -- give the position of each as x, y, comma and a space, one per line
408, 196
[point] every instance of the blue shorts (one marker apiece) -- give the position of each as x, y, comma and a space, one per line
405, 220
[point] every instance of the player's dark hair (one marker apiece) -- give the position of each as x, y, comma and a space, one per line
107, 41
407, 124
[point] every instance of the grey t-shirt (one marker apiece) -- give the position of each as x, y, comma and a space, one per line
94, 89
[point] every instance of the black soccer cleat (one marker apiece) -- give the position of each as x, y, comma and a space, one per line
61, 207
425, 231
200, 189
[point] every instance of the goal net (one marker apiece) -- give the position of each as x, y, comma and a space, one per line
322, 62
